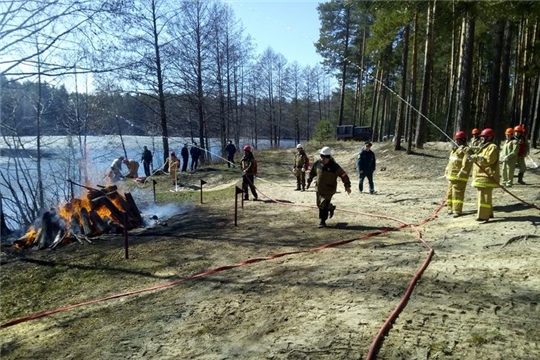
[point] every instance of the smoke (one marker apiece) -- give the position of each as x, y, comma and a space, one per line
153, 213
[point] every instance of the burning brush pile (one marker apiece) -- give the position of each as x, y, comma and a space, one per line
103, 211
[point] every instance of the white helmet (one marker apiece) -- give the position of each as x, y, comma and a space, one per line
299, 146
325, 151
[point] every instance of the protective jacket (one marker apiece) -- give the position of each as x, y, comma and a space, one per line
523, 147
248, 164
487, 158
174, 163
459, 166
509, 150
475, 145
301, 161
327, 177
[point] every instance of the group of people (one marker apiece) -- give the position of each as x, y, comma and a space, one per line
325, 169
172, 163
487, 162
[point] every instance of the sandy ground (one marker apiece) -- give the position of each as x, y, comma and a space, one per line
477, 299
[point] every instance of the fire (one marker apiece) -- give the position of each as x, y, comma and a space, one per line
100, 211
28, 239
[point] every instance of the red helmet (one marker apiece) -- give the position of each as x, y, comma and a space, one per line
475, 131
460, 135
509, 131
519, 128
487, 132
247, 148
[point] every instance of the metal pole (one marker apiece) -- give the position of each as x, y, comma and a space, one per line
154, 182
202, 183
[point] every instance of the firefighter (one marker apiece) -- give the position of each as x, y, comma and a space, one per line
116, 169
248, 164
174, 163
486, 174
457, 173
523, 151
133, 168
301, 165
475, 143
509, 151
327, 171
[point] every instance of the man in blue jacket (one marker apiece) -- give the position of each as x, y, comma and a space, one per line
365, 164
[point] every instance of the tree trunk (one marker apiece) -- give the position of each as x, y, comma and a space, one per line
400, 121
465, 73
421, 126
495, 78
413, 86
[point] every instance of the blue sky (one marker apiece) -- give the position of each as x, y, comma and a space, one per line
288, 27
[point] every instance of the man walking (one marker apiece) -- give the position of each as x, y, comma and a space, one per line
366, 165
327, 171
301, 165
146, 159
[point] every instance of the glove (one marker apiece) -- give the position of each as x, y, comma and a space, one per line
348, 190
303, 170
244, 172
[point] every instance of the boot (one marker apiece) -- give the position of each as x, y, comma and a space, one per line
303, 187
323, 215
331, 210
520, 179
297, 188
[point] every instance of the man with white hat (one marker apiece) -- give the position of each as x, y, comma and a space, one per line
327, 171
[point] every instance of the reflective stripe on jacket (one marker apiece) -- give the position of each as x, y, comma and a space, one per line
489, 175
459, 166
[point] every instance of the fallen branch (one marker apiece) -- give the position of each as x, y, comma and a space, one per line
516, 238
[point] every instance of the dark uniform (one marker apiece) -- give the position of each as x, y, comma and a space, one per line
146, 159
185, 157
327, 172
301, 165
248, 164
195, 153
231, 150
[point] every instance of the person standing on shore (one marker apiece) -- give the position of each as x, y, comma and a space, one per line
195, 153
231, 150
146, 159
185, 157
326, 170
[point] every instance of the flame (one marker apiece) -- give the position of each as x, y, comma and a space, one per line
71, 214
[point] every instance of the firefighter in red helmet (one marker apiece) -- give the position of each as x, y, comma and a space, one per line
486, 175
475, 143
523, 151
457, 173
248, 165
509, 150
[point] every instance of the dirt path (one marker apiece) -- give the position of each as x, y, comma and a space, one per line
478, 298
